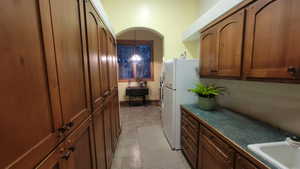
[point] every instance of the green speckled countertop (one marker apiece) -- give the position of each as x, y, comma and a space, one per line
240, 129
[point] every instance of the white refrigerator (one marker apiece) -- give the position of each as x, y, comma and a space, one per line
177, 77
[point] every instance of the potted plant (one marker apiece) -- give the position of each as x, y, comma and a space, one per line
207, 95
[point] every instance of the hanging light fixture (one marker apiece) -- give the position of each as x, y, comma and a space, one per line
135, 57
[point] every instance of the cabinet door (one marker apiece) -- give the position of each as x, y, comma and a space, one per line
111, 63
68, 29
117, 111
93, 43
214, 155
80, 148
229, 41
54, 160
30, 111
104, 63
113, 123
98, 120
208, 55
242, 163
115, 58
107, 132
272, 35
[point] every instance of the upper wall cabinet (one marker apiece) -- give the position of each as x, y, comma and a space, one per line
69, 36
272, 39
208, 52
229, 45
221, 47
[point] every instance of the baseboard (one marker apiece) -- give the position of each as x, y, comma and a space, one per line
149, 102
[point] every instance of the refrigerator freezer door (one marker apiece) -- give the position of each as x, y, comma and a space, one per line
168, 115
169, 74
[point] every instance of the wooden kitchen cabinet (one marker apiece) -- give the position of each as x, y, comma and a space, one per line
80, 148
215, 153
272, 39
54, 160
243, 163
113, 124
69, 39
108, 133
189, 138
98, 122
230, 35
115, 121
221, 47
45, 91
94, 51
104, 62
76, 152
208, 55
111, 63
29, 100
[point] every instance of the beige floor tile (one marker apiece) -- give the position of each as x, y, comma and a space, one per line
142, 144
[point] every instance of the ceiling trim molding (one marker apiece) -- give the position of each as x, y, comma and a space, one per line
192, 33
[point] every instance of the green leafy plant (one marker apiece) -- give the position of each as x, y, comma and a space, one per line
207, 91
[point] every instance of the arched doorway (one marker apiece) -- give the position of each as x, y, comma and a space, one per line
130, 74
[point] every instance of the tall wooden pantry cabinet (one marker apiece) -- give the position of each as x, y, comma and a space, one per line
58, 85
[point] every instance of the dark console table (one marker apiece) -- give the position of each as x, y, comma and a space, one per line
133, 92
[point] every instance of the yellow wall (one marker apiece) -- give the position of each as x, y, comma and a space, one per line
169, 17
154, 88
205, 5
202, 8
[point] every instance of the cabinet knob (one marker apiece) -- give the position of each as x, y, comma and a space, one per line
291, 70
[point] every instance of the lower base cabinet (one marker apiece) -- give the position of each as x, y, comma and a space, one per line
212, 152
90, 146
243, 163
108, 134
98, 122
115, 121
76, 152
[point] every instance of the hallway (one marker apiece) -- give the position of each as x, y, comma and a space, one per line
142, 144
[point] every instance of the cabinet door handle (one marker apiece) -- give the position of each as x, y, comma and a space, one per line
213, 71
61, 131
67, 155
69, 125
72, 149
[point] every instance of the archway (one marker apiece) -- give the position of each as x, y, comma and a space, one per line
142, 35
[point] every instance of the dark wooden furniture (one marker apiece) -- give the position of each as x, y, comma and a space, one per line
189, 138
243, 43
206, 148
133, 92
59, 93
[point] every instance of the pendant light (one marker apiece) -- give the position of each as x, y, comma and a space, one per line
135, 57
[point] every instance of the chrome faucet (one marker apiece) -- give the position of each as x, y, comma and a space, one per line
293, 141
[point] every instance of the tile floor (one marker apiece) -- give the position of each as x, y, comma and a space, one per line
142, 144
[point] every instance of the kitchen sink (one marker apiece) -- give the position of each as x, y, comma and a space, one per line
280, 154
